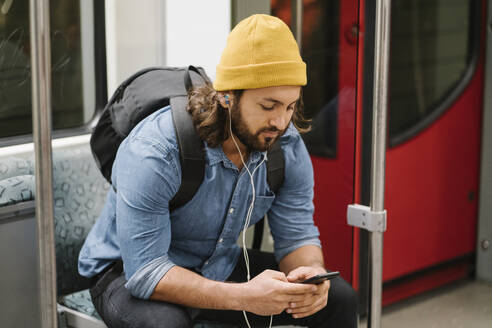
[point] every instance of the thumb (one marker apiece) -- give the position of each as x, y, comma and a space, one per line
298, 274
277, 275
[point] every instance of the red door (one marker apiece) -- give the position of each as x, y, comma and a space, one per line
434, 132
432, 167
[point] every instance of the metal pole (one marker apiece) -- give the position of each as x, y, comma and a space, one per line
296, 21
381, 61
41, 109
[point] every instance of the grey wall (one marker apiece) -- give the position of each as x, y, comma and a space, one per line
241, 9
484, 253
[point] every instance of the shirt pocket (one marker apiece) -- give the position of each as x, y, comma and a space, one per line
261, 207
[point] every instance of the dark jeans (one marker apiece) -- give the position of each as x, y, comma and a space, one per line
119, 309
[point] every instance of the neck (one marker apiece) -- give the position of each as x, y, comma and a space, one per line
230, 150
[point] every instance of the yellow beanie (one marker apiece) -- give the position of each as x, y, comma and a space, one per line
260, 52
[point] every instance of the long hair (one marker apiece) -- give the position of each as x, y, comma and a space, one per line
210, 118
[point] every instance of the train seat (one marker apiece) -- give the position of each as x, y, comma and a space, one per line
79, 192
16, 190
80, 301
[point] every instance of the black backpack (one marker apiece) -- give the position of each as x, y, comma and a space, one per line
142, 94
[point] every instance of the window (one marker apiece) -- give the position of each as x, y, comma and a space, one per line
431, 52
72, 64
320, 51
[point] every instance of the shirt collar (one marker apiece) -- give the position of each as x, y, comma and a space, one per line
216, 155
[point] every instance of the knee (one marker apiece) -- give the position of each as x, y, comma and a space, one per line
123, 310
344, 296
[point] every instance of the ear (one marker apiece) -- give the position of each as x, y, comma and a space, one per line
225, 99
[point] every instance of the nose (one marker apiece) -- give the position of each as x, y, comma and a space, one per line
279, 122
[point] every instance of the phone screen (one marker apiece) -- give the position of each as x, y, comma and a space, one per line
320, 278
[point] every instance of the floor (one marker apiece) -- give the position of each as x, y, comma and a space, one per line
466, 304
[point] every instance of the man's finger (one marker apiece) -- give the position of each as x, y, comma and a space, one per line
323, 288
277, 275
307, 307
306, 301
294, 299
307, 313
300, 273
297, 289
296, 277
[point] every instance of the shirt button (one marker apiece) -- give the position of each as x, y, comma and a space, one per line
206, 263
231, 210
221, 240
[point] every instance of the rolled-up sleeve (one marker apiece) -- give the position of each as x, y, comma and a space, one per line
146, 176
291, 214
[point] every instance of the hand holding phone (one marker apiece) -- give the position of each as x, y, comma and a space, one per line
318, 279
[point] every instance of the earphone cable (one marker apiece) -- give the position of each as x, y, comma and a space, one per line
249, 213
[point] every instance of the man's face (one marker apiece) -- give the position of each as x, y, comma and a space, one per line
263, 115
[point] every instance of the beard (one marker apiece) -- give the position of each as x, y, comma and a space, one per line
253, 141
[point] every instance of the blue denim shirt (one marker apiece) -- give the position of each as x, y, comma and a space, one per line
136, 225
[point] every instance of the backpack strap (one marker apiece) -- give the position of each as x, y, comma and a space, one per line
188, 82
191, 156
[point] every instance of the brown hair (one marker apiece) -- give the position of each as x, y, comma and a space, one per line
210, 118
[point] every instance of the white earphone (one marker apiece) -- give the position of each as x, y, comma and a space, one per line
250, 209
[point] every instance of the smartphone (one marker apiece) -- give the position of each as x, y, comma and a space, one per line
320, 278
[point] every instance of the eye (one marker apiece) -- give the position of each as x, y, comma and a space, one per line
291, 107
266, 107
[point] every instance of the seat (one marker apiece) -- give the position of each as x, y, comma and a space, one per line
79, 192
80, 301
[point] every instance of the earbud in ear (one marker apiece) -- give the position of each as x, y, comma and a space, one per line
226, 97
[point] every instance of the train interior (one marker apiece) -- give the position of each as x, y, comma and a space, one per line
437, 259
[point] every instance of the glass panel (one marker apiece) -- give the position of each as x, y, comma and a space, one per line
66, 58
430, 52
320, 51
329, 47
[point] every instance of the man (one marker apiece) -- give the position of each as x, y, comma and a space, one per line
175, 262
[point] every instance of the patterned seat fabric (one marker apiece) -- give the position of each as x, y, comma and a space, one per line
80, 301
13, 166
79, 192
17, 189
79, 195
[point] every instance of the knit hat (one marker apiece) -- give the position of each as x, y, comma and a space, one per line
260, 52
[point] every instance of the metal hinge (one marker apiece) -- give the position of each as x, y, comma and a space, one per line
362, 217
